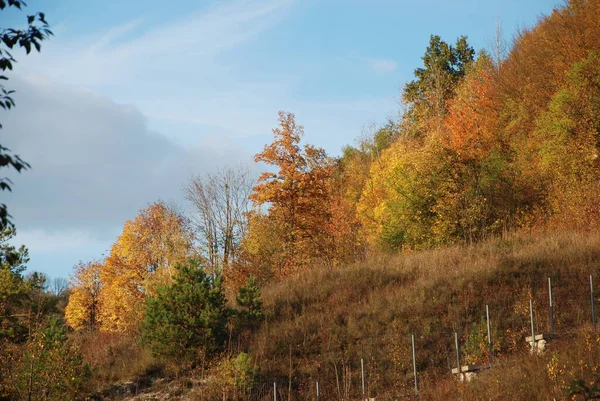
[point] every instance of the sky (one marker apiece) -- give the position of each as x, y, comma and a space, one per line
127, 102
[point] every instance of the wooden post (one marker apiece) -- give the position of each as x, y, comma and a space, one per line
457, 353
532, 327
593, 301
362, 373
551, 309
414, 355
490, 344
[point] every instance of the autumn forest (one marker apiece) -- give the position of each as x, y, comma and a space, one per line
486, 185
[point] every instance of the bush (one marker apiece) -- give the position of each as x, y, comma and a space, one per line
50, 367
233, 378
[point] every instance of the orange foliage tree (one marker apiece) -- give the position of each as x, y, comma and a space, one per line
483, 195
297, 197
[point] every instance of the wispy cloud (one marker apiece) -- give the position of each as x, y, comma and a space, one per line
381, 65
133, 49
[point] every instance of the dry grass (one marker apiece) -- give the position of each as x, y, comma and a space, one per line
115, 359
320, 324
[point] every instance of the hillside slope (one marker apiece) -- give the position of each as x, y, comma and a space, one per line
319, 325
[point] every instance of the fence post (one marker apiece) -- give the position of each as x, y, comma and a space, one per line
551, 309
457, 353
274, 391
318, 394
489, 330
533, 344
414, 355
362, 373
593, 301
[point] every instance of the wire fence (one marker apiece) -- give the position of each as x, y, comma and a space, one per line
510, 320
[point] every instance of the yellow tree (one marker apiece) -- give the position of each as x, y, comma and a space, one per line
297, 195
397, 203
82, 310
352, 172
143, 257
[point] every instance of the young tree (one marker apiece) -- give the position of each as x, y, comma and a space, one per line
37, 31
187, 317
248, 299
220, 219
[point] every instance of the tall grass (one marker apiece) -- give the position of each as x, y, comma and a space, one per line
321, 323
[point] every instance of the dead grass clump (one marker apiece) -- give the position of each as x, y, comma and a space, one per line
115, 358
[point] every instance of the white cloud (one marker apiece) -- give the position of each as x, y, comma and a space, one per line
95, 163
381, 65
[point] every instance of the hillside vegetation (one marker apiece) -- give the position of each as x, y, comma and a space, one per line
321, 324
487, 186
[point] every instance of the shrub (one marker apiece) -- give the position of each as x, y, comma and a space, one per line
50, 367
233, 378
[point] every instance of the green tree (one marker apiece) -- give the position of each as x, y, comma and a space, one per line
13, 288
249, 299
37, 30
443, 67
568, 133
187, 317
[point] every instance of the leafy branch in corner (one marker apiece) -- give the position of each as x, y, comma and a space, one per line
37, 31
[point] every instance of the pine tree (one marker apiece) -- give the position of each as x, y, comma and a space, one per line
249, 299
187, 317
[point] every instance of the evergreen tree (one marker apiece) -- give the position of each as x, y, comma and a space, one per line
426, 96
187, 317
249, 299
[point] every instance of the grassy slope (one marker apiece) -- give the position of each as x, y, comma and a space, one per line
320, 324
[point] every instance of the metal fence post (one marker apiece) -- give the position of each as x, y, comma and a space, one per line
551, 309
414, 355
489, 330
457, 352
362, 373
533, 344
593, 301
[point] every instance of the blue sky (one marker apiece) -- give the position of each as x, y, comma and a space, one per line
127, 102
